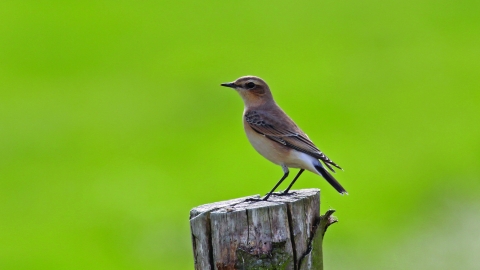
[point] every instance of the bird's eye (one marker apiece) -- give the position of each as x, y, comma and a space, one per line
250, 85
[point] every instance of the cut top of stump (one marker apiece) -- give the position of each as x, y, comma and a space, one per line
247, 233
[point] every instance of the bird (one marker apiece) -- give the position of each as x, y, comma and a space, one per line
276, 137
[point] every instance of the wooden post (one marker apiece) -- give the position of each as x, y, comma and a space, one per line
285, 232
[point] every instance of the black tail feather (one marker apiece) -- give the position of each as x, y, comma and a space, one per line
330, 179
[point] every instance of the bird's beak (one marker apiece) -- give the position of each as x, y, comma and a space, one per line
231, 85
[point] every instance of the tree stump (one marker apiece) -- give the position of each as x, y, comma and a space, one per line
285, 232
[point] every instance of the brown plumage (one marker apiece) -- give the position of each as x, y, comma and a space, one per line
286, 133
275, 136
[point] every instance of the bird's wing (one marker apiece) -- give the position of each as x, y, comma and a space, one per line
286, 133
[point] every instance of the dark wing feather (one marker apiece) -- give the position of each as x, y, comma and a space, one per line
287, 134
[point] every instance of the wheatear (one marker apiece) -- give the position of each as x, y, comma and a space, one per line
276, 137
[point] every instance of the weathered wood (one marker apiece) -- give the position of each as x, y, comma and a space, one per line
285, 232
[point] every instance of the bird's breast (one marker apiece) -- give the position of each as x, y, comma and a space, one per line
271, 150
278, 153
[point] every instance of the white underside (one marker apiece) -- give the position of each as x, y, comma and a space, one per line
301, 160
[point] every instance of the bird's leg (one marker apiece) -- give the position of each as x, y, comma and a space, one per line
293, 182
285, 174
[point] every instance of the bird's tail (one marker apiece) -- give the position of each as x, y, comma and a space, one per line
330, 179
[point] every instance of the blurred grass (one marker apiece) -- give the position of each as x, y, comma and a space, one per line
113, 125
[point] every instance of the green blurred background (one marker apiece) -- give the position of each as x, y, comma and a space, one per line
113, 126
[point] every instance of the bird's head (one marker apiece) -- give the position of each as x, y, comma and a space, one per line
253, 90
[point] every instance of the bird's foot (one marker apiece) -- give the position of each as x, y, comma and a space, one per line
254, 200
278, 194
287, 193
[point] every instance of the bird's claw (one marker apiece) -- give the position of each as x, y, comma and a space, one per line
254, 200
